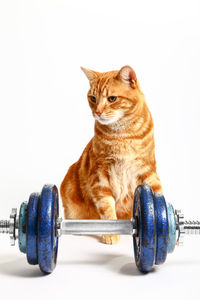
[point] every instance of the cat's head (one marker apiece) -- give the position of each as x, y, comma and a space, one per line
113, 95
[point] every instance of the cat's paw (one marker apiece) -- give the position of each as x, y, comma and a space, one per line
110, 239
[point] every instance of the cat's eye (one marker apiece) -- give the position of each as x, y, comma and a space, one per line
93, 98
112, 98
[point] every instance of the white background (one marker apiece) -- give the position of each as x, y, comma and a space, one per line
45, 123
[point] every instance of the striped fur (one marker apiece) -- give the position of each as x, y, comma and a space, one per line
120, 156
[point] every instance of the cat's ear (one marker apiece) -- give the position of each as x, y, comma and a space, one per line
127, 75
89, 73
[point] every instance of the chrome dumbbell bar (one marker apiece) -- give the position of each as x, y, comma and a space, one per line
83, 226
124, 227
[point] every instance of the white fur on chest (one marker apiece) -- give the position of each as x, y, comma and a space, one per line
122, 179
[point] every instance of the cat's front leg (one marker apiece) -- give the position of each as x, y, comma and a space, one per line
110, 239
105, 205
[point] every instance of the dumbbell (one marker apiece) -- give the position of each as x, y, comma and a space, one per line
155, 227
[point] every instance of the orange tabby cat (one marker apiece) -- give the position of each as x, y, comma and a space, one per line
120, 156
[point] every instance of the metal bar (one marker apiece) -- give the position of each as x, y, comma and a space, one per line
192, 227
4, 226
9, 226
82, 226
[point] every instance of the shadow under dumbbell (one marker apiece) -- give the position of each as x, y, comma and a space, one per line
125, 265
19, 268
130, 269
116, 263
93, 236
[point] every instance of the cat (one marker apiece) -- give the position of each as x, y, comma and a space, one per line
120, 156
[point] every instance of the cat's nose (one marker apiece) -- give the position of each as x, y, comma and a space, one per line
98, 113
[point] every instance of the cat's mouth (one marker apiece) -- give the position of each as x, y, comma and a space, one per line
103, 120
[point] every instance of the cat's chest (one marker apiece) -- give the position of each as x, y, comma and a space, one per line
123, 176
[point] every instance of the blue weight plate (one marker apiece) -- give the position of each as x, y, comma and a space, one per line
22, 227
172, 228
47, 239
31, 229
161, 228
145, 240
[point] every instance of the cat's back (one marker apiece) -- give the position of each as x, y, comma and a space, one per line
77, 174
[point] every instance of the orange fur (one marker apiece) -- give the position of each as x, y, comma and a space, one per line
120, 156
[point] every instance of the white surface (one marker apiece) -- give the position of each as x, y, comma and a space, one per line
45, 123
88, 269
